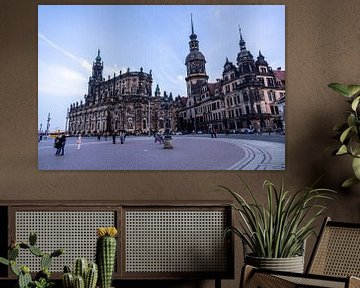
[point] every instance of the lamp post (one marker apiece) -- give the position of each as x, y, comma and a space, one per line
47, 126
149, 116
67, 121
167, 137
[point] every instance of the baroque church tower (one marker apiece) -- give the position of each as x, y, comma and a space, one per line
97, 71
195, 64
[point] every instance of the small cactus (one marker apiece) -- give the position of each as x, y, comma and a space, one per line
106, 254
32, 239
24, 280
79, 282
45, 261
13, 253
4, 261
42, 278
80, 267
84, 274
91, 276
57, 252
14, 268
36, 251
68, 280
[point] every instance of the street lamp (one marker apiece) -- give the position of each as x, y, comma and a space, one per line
149, 115
167, 137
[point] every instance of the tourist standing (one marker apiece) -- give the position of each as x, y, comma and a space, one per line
63, 141
78, 142
57, 145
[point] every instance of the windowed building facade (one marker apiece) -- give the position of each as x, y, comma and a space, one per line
246, 96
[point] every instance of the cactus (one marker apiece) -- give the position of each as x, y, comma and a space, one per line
36, 251
105, 254
80, 267
91, 276
79, 282
4, 261
57, 253
13, 253
14, 268
24, 280
45, 261
68, 280
32, 238
42, 278
87, 272
44, 273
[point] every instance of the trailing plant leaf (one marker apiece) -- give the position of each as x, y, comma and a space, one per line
349, 182
342, 150
345, 134
353, 90
350, 131
355, 103
4, 261
356, 167
340, 88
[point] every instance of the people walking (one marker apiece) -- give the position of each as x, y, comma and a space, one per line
114, 137
159, 138
63, 141
78, 142
57, 145
122, 137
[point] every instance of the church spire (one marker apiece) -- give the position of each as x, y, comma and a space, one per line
242, 41
98, 58
193, 36
192, 25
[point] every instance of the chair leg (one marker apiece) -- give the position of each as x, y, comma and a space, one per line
246, 274
250, 278
217, 283
354, 282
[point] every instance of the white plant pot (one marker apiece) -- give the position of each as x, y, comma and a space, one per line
291, 264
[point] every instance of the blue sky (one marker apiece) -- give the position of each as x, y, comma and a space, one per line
150, 36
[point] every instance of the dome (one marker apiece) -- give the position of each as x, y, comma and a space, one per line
194, 55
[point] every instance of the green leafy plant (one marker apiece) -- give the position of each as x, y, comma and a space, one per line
349, 131
279, 229
42, 278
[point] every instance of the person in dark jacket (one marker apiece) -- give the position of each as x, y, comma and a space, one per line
57, 145
63, 141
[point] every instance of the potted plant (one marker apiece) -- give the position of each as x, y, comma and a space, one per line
42, 278
276, 233
348, 133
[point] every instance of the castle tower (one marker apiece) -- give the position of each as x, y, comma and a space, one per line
195, 64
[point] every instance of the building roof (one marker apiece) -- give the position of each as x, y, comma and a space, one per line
280, 74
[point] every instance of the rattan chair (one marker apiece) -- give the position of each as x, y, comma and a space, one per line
334, 263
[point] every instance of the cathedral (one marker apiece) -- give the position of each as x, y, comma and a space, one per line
123, 102
249, 94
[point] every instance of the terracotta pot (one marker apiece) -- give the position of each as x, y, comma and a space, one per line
291, 264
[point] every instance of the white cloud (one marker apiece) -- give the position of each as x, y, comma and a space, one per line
83, 62
60, 81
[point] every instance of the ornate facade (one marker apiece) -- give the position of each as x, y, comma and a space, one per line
249, 94
246, 96
121, 103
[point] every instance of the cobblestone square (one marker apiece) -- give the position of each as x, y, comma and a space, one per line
190, 152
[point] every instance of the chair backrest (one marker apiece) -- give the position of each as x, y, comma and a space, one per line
337, 251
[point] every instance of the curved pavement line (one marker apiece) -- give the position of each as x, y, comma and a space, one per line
259, 155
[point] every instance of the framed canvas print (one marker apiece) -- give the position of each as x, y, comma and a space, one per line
161, 87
